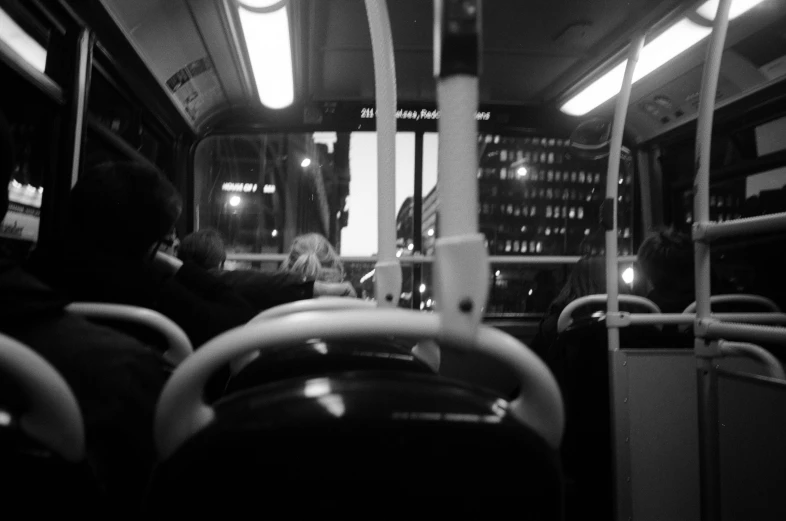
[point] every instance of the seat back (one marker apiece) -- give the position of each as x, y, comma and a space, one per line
319, 358
363, 445
42, 443
178, 346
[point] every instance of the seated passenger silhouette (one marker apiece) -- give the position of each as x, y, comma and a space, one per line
665, 259
119, 213
264, 290
588, 277
116, 379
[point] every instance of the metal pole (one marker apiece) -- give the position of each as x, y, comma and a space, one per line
623, 498
387, 278
707, 378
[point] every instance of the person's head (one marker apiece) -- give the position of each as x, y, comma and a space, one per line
588, 277
124, 208
205, 248
6, 162
666, 260
313, 257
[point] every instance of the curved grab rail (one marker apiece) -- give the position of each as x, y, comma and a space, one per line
742, 299
299, 306
180, 346
314, 304
427, 351
181, 412
54, 418
566, 317
756, 352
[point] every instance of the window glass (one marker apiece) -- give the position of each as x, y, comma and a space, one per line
261, 191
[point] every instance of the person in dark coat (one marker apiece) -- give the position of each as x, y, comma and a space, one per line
119, 213
115, 378
665, 259
205, 248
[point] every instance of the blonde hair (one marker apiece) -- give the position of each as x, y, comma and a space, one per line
313, 256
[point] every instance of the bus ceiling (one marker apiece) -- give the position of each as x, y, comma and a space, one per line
216, 68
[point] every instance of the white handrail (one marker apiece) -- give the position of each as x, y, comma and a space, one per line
565, 317
709, 454
300, 306
387, 275
53, 416
179, 346
756, 352
612, 176
426, 259
742, 299
181, 412
710, 231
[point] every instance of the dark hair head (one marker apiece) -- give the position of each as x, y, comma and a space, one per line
205, 248
588, 277
6, 162
666, 259
123, 207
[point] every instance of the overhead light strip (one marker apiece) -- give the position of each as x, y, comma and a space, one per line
270, 52
21, 42
675, 40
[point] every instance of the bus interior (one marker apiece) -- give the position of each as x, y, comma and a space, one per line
266, 117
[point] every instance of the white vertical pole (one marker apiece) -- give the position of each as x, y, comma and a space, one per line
612, 183
387, 275
707, 380
622, 495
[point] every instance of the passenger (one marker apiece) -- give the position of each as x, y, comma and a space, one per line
119, 214
263, 289
115, 379
666, 261
588, 277
313, 257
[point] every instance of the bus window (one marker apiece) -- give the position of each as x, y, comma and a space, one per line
261, 191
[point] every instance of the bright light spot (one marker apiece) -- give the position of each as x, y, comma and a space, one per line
671, 43
422, 288
710, 8
422, 305
274, 233
5, 418
234, 200
317, 387
496, 273
627, 275
305, 163
521, 171
270, 52
398, 253
620, 181
410, 247
430, 232
268, 189
529, 292
428, 302
334, 404
22, 43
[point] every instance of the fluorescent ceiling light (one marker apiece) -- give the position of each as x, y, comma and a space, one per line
710, 8
270, 51
21, 42
671, 43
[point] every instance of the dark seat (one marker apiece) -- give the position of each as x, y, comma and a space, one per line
362, 445
319, 358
